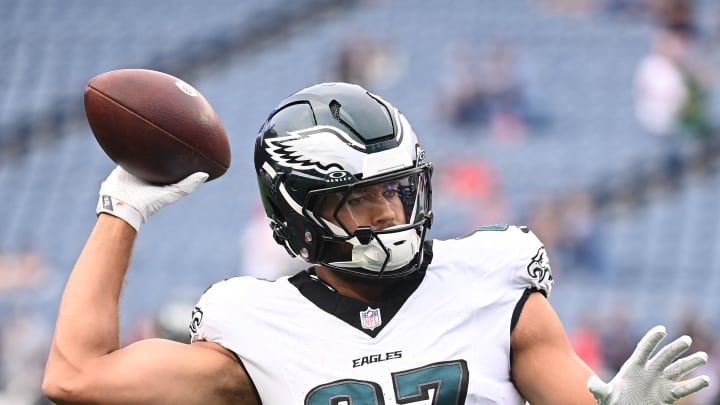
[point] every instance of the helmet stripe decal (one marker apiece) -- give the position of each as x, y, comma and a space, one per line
269, 170
292, 203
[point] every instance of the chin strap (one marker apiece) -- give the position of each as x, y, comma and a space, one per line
396, 248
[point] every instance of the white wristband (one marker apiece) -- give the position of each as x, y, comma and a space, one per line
113, 206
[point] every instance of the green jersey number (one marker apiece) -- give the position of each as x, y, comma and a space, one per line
449, 380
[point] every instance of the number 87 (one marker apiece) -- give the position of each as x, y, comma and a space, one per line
448, 379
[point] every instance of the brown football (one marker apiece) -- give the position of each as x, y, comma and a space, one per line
156, 126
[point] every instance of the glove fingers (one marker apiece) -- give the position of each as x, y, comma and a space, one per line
685, 365
134, 200
670, 353
191, 182
685, 388
600, 390
647, 345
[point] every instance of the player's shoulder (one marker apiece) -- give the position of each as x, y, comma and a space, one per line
241, 288
501, 238
509, 252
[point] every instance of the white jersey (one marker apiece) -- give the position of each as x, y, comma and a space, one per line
442, 338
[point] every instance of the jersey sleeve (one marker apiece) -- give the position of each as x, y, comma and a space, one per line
509, 255
208, 318
532, 264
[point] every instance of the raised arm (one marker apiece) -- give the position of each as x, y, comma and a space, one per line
547, 371
86, 364
545, 368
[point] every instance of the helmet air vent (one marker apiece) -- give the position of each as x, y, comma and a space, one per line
335, 111
335, 107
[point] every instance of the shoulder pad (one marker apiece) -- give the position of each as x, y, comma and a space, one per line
511, 250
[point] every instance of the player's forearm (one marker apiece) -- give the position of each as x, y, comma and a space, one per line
87, 325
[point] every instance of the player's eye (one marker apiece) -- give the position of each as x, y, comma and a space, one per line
391, 193
392, 189
378, 192
355, 200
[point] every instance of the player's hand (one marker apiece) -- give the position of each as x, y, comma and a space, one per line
652, 381
134, 201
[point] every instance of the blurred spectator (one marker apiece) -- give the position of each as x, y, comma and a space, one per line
665, 13
542, 219
673, 13
24, 343
22, 270
259, 254
371, 63
468, 194
485, 90
568, 227
713, 371
631, 9
460, 101
660, 90
143, 326
580, 239
618, 339
170, 321
174, 316
704, 339
587, 343
671, 88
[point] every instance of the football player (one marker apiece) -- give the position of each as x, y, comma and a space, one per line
379, 316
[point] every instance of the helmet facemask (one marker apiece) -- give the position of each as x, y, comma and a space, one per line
344, 182
374, 228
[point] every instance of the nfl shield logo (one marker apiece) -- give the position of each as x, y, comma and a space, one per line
370, 318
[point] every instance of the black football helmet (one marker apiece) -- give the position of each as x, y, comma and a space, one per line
344, 181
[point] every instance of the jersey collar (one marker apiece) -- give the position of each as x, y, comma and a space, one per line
349, 309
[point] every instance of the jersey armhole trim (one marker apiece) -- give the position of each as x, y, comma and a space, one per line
521, 304
254, 387
518, 310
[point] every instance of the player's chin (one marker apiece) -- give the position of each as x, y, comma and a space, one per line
370, 280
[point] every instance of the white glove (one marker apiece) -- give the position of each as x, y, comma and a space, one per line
652, 381
134, 201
